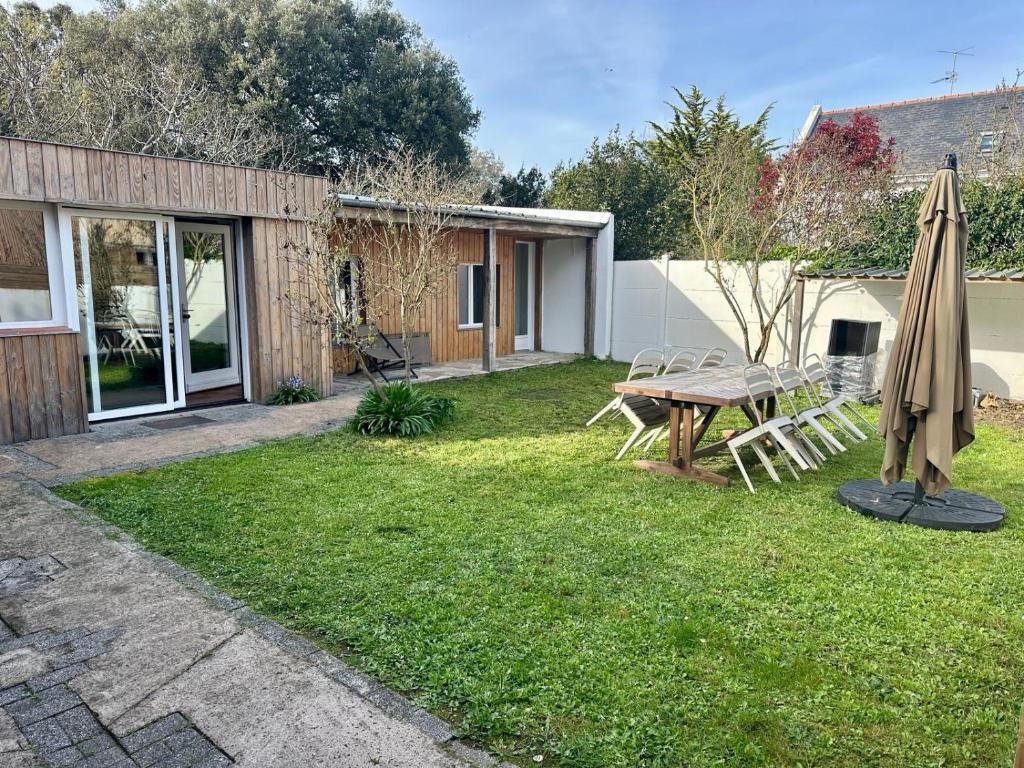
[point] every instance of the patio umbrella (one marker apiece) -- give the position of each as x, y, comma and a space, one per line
926, 396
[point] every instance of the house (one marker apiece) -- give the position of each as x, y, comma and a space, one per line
973, 125
134, 284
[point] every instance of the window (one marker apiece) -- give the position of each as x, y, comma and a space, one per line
471, 295
987, 143
27, 265
346, 291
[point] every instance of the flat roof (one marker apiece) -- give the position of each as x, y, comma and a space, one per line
880, 273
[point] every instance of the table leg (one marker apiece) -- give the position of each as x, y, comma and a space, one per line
680, 449
673, 433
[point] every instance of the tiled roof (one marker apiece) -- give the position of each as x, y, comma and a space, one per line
877, 273
926, 129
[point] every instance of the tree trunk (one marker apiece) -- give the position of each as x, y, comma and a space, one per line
406, 339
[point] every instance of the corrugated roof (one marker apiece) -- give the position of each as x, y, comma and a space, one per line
878, 273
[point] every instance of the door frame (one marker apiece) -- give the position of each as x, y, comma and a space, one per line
221, 377
525, 342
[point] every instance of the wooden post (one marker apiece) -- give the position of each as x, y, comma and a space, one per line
589, 288
488, 334
538, 295
796, 323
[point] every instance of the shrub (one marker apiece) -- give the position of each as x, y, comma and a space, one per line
401, 410
293, 390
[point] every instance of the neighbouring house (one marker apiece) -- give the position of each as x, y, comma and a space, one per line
974, 125
134, 284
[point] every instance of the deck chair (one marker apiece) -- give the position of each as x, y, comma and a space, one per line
381, 353
681, 363
713, 358
789, 381
779, 432
647, 363
643, 413
820, 387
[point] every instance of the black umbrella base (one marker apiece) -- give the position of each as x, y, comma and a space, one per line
951, 510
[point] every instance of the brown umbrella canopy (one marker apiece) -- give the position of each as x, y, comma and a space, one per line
926, 396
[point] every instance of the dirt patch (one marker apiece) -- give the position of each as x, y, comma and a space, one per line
996, 410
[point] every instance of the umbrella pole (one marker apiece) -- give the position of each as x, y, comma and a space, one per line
918, 492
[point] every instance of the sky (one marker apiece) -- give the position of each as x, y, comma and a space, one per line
550, 75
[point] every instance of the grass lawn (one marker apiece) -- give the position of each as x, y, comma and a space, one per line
507, 574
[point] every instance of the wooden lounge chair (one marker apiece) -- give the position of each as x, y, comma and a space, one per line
780, 432
647, 363
818, 384
383, 354
643, 413
789, 381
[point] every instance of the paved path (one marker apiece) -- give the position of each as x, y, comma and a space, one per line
110, 656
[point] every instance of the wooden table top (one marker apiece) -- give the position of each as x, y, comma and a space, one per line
722, 386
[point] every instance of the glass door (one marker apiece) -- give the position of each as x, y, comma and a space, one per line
124, 306
208, 306
524, 290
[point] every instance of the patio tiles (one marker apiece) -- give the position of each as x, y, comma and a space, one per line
113, 656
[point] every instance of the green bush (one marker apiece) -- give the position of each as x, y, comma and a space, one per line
293, 390
401, 410
995, 218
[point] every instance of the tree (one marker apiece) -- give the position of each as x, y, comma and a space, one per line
338, 81
523, 190
616, 175
481, 174
404, 247
755, 220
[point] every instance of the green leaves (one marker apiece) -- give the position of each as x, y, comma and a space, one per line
401, 410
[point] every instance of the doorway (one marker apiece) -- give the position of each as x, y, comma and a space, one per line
524, 268
209, 313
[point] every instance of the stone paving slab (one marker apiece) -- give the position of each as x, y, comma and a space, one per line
115, 657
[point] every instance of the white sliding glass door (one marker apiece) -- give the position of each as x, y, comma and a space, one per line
524, 291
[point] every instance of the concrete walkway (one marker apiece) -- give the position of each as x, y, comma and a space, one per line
111, 656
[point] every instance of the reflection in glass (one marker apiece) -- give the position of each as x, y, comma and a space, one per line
24, 278
117, 271
522, 289
206, 297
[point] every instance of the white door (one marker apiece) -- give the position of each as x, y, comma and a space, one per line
210, 346
524, 292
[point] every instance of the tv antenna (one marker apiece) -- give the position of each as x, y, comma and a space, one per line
951, 76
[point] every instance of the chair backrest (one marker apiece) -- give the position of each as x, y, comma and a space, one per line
759, 383
789, 381
647, 362
713, 358
682, 362
816, 376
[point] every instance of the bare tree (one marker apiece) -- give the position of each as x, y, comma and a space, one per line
756, 220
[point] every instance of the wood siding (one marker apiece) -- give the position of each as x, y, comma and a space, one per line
32, 170
41, 387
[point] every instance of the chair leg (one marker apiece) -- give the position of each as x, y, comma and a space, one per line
850, 409
629, 442
817, 457
792, 450
743, 470
649, 442
827, 438
850, 426
840, 426
766, 462
784, 457
603, 411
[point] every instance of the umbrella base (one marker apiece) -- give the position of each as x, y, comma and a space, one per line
951, 510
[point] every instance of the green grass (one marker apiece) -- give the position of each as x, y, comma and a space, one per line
506, 573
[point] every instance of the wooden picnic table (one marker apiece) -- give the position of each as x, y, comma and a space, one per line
710, 388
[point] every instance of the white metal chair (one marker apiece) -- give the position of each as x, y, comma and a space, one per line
647, 363
713, 358
779, 431
680, 363
816, 377
789, 381
643, 413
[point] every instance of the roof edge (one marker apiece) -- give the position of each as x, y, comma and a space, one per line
924, 100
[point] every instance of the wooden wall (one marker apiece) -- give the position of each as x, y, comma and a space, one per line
440, 314
41, 387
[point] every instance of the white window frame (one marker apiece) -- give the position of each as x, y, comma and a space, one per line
981, 138
472, 265
65, 213
61, 315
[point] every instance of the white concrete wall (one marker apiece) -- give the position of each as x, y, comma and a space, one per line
994, 314
688, 310
604, 254
562, 299
685, 311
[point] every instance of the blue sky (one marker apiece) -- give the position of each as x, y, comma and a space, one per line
549, 75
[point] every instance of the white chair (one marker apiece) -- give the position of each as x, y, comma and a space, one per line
713, 358
643, 413
647, 363
816, 377
682, 362
779, 431
789, 381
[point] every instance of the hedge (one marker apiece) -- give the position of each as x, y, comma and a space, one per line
995, 217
